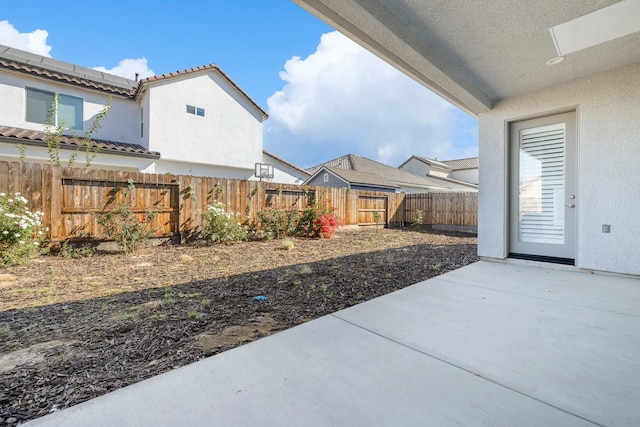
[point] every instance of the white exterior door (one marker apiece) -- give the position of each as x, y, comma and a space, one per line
542, 189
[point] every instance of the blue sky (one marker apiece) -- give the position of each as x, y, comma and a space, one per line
325, 95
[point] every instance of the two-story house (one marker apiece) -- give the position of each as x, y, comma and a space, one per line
196, 121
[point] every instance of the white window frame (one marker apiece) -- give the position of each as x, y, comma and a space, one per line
79, 123
196, 111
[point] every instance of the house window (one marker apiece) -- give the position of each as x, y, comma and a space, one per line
69, 109
326, 177
141, 122
192, 109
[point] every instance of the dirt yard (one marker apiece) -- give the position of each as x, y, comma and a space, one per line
74, 329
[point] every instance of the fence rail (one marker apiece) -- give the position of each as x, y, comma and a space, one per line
70, 197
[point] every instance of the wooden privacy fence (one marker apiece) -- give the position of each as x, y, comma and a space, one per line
70, 197
460, 208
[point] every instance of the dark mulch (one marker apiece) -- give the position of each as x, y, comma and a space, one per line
74, 329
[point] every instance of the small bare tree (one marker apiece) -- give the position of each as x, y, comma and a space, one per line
55, 131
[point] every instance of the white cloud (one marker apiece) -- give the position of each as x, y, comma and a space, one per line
34, 42
128, 68
342, 99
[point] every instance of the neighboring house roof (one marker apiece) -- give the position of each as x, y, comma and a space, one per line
390, 174
462, 164
37, 138
53, 69
430, 162
291, 165
356, 177
202, 68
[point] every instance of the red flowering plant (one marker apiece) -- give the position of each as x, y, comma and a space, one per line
319, 220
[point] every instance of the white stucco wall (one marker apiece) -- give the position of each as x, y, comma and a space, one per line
608, 147
416, 167
121, 123
466, 175
230, 133
282, 173
195, 169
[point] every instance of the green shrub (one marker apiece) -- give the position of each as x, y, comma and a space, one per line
222, 226
278, 223
20, 230
130, 230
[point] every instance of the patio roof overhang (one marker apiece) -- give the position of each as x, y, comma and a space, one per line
475, 53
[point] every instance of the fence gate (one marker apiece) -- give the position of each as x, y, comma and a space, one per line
82, 197
368, 206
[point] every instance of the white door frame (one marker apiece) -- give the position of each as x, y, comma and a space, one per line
564, 252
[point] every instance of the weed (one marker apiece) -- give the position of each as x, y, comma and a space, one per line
305, 269
287, 244
130, 316
189, 296
418, 219
69, 251
297, 282
67, 311
205, 303
51, 277
192, 314
5, 330
158, 316
436, 266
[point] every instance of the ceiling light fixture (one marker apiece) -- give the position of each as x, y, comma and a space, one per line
556, 60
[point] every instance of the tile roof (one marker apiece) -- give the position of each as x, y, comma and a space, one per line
32, 137
460, 164
53, 69
361, 178
386, 172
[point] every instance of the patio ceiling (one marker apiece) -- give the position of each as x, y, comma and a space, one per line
475, 53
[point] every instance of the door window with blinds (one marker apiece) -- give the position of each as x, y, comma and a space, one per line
541, 186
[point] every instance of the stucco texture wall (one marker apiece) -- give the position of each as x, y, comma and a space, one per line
608, 151
229, 134
121, 124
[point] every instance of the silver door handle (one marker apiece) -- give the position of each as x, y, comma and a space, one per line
570, 205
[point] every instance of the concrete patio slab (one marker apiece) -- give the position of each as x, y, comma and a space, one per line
484, 345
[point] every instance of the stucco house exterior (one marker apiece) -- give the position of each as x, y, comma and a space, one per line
361, 173
555, 86
191, 122
465, 170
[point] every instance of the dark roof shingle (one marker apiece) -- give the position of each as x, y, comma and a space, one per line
33, 137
